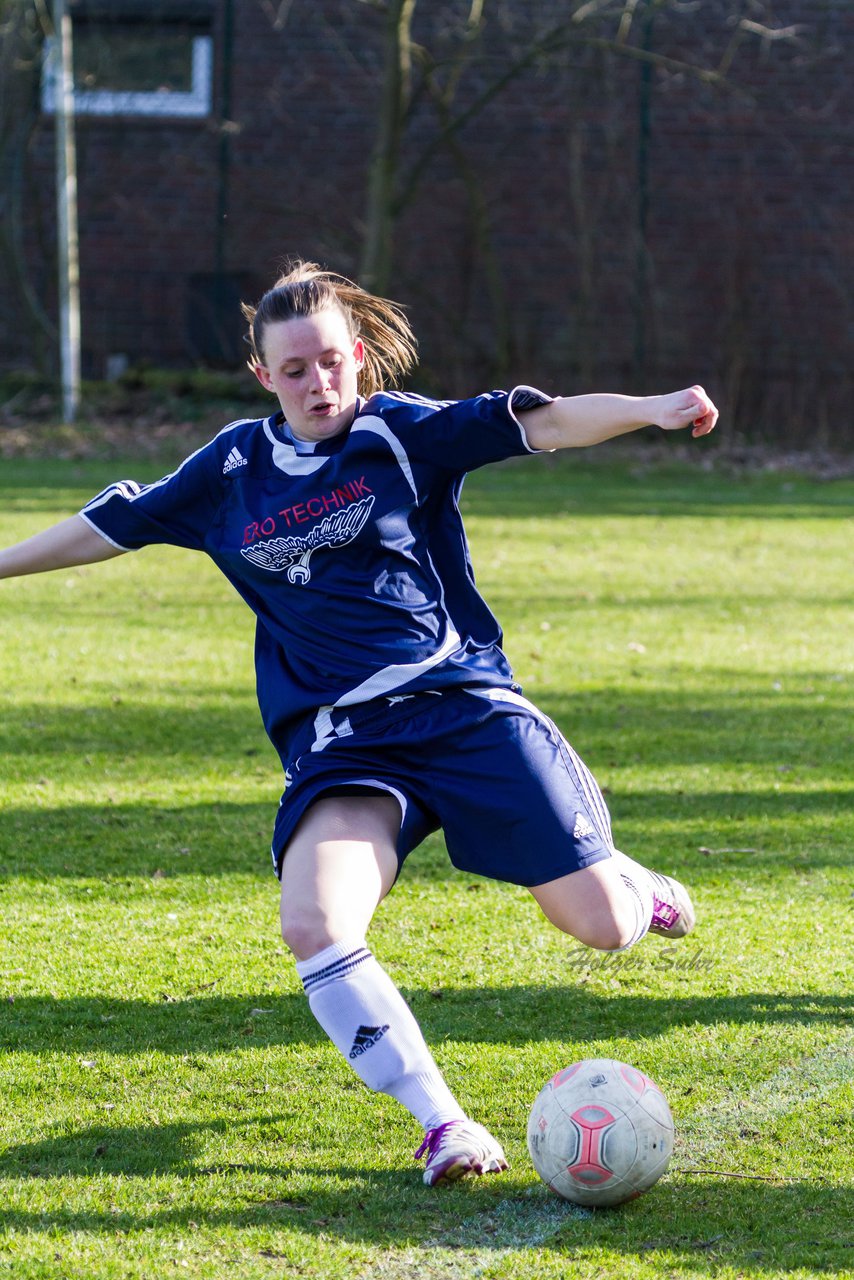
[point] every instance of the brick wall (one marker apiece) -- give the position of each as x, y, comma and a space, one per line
643, 228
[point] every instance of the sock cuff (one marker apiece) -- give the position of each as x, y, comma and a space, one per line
643, 908
337, 961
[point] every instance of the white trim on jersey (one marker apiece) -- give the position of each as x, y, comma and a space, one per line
101, 533
528, 397
127, 489
413, 397
377, 685
286, 458
534, 400
130, 490
380, 428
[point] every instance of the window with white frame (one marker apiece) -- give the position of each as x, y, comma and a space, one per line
135, 60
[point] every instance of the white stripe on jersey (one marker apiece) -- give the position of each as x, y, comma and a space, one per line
396, 676
379, 428
413, 397
380, 683
520, 398
127, 489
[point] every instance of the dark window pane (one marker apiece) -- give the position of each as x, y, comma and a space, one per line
129, 60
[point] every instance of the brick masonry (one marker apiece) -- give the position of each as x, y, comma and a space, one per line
644, 228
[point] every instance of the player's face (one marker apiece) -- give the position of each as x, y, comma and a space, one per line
312, 364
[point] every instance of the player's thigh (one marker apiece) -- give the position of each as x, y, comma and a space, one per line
590, 904
338, 866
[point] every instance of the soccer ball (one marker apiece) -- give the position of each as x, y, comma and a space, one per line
600, 1132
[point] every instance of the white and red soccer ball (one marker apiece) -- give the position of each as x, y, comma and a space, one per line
600, 1132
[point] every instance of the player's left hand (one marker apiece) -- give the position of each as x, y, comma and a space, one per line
688, 408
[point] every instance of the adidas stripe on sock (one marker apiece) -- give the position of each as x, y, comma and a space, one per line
370, 1023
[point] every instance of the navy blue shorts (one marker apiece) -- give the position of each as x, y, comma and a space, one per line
513, 799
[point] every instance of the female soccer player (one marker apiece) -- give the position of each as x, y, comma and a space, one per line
380, 673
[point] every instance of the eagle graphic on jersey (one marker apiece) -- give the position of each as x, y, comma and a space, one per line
293, 554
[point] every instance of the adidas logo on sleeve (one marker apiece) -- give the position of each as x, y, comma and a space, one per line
234, 460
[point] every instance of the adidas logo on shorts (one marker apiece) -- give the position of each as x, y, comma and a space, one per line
583, 827
365, 1038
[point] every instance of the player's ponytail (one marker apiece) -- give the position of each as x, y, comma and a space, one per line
306, 288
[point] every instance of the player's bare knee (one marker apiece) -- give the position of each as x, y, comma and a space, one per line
305, 932
613, 935
605, 934
589, 905
606, 929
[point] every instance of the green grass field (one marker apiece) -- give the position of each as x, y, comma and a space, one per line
169, 1106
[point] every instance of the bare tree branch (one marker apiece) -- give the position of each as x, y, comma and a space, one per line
545, 46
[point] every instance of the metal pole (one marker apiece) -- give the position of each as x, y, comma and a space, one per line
66, 214
643, 301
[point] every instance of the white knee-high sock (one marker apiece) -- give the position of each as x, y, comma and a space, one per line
639, 882
370, 1023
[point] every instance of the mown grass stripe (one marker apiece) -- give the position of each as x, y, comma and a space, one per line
462, 1253
701, 1136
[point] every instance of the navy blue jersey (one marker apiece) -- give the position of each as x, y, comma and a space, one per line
353, 557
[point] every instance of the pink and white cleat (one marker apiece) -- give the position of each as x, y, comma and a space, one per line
458, 1148
673, 912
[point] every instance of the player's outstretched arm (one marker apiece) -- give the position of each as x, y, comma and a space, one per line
68, 543
574, 421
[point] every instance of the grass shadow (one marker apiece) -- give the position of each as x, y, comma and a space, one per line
529, 1014
699, 1222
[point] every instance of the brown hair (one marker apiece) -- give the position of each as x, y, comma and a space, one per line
306, 288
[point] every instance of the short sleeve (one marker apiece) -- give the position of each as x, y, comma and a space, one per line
177, 510
461, 435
